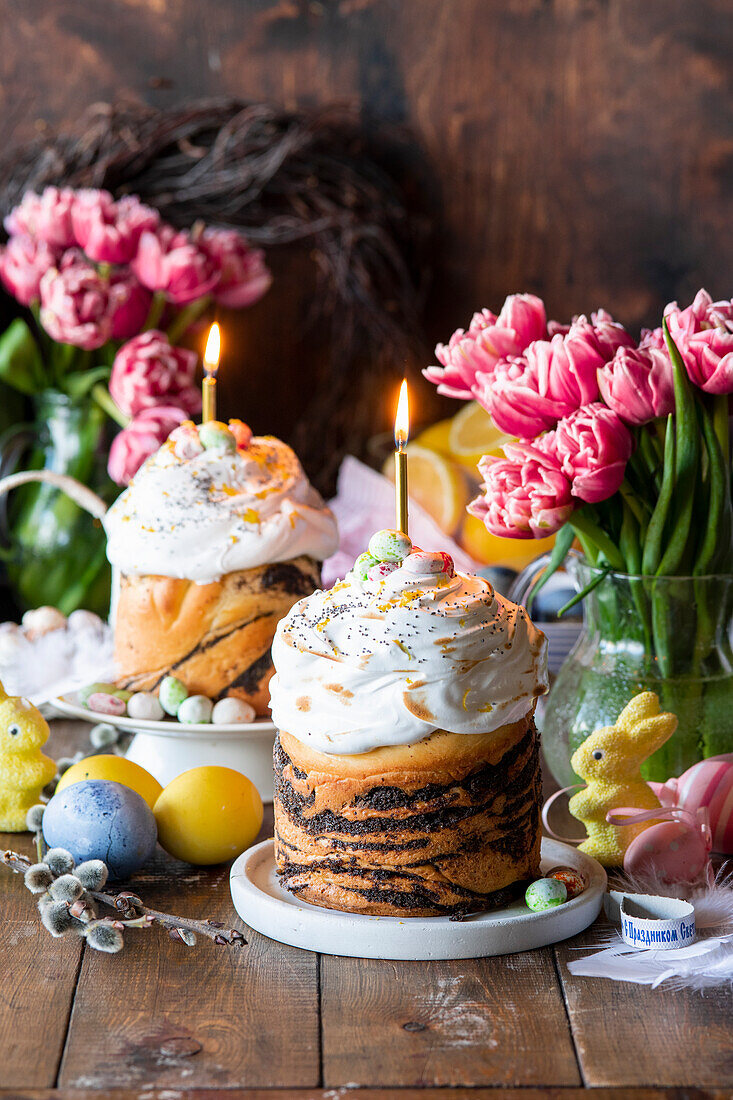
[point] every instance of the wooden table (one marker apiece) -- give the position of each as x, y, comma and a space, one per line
164, 1022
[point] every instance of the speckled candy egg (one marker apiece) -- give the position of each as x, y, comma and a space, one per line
389, 545
98, 819
232, 712
545, 893
574, 881
429, 562
195, 710
363, 564
102, 703
216, 436
242, 434
171, 694
116, 769
208, 815
145, 706
381, 571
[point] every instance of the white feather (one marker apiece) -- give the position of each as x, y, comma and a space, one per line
707, 962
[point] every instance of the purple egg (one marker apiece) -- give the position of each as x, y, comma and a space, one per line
99, 819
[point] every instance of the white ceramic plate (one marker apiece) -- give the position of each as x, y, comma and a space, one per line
168, 748
166, 727
264, 905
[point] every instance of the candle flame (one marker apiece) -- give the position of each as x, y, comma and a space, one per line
213, 350
402, 418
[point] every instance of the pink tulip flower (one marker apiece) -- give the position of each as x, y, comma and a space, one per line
77, 304
141, 438
243, 274
525, 495
638, 384
109, 231
511, 396
131, 304
708, 357
592, 446
46, 216
602, 330
148, 372
489, 339
567, 366
23, 263
175, 263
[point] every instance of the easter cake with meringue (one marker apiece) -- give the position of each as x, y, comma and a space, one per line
407, 770
215, 538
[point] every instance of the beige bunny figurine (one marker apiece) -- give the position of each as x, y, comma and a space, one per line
24, 770
610, 761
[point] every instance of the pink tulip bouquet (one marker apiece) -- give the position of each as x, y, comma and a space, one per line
111, 293
623, 445
112, 290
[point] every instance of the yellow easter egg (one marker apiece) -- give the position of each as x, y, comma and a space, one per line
208, 815
117, 769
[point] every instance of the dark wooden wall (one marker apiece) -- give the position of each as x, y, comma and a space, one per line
582, 149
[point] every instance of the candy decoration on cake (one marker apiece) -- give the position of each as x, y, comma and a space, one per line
709, 785
610, 761
573, 880
99, 819
24, 770
407, 773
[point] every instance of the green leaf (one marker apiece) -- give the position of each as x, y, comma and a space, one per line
563, 542
21, 365
654, 532
80, 382
715, 550
678, 553
583, 524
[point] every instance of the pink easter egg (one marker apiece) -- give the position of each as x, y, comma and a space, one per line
448, 565
427, 563
708, 783
241, 432
672, 851
382, 570
185, 440
106, 704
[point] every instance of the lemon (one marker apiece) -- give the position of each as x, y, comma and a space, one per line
117, 769
473, 434
436, 437
208, 815
491, 549
436, 484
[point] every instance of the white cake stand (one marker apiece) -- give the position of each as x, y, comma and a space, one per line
264, 905
167, 748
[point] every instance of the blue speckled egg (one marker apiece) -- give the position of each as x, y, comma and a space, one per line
98, 819
545, 893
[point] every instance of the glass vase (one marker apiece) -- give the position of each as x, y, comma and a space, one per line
56, 552
670, 635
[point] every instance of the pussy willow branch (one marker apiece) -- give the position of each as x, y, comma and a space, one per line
129, 905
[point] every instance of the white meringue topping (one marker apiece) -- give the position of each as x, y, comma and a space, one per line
217, 512
387, 661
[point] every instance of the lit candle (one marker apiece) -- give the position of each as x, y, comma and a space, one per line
211, 365
401, 435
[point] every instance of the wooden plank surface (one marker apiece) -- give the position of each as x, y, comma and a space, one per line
37, 973
166, 1015
365, 1094
632, 1035
494, 1021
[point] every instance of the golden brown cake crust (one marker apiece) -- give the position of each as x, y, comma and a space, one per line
214, 637
448, 825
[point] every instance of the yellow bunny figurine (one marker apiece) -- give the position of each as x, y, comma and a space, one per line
24, 770
609, 761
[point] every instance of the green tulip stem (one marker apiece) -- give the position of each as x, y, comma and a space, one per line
102, 397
